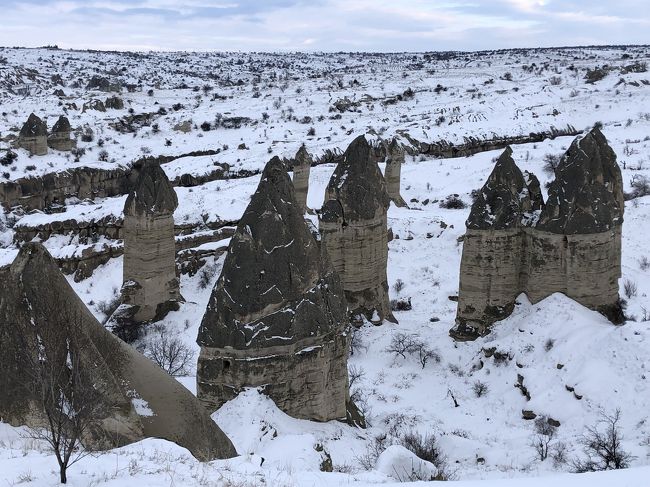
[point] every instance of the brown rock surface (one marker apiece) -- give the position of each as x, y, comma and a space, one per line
277, 318
354, 228
41, 316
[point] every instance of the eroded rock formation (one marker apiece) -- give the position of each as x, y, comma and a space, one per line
354, 228
151, 287
393, 172
59, 138
45, 327
301, 170
33, 136
517, 244
277, 318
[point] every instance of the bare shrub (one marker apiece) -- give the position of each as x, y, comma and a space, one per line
426, 448
644, 263
170, 353
401, 344
551, 162
640, 186
453, 202
543, 437
108, 307
549, 344
602, 446
357, 343
555, 80
398, 285
401, 304
355, 374
629, 288
206, 274
479, 388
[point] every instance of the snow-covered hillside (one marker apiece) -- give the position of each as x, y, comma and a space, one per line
574, 365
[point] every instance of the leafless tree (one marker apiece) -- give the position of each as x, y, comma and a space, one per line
602, 445
68, 396
170, 353
542, 439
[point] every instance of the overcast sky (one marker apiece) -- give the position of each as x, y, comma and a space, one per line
322, 25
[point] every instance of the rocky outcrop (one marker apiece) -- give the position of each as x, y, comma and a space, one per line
33, 136
114, 103
59, 138
393, 172
93, 104
354, 228
151, 287
301, 168
277, 318
45, 326
517, 244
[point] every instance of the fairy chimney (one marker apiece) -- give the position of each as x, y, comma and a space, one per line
393, 172
33, 136
59, 138
301, 168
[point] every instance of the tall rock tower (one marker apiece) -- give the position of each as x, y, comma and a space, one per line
393, 172
277, 317
301, 170
60, 139
33, 136
354, 228
151, 287
572, 245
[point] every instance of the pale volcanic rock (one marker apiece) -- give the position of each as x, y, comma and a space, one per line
59, 138
277, 317
301, 168
354, 228
41, 317
393, 172
572, 244
33, 136
151, 285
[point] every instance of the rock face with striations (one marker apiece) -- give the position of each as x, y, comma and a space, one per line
151, 286
517, 244
44, 326
301, 169
59, 138
277, 317
33, 136
354, 228
393, 172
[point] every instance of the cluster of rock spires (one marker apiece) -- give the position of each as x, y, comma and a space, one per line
353, 226
151, 287
277, 317
517, 244
34, 138
43, 320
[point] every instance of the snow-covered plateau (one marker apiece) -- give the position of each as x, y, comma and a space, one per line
244, 108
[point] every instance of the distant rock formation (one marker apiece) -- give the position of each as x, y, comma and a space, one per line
103, 84
114, 103
44, 324
277, 318
517, 244
93, 104
393, 172
301, 170
59, 138
33, 136
151, 287
354, 228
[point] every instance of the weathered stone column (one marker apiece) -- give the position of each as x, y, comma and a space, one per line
151, 287
301, 170
393, 172
33, 136
354, 228
59, 138
277, 317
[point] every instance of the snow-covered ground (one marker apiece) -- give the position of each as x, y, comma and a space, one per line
574, 364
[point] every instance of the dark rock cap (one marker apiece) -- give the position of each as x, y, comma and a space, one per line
275, 288
62, 125
33, 127
302, 157
153, 193
357, 183
587, 193
504, 198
